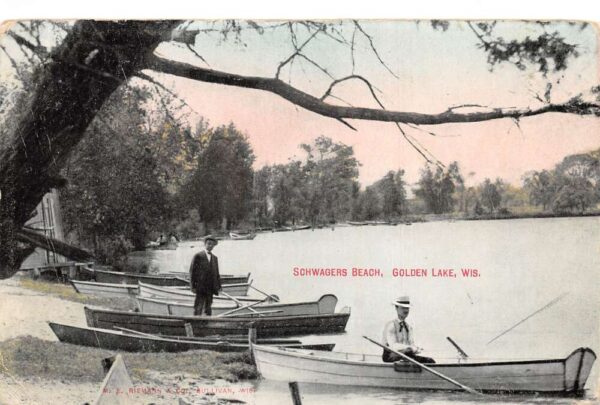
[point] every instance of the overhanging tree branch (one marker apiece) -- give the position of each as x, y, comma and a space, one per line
314, 104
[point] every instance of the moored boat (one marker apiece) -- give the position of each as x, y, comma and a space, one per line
119, 277
225, 278
132, 342
242, 236
172, 279
272, 326
324, 305
105, 289
357, 223
562, 375
185, 294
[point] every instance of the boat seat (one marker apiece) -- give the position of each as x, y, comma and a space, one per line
402, 366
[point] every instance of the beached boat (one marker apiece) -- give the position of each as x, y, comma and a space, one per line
186, 295
271, 326
175, 279
563, 375
324, 305
181, 295
242, 236
105, 289
225, 278
119, 277
135, 342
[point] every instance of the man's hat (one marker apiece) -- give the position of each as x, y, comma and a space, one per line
211, 238
402, 301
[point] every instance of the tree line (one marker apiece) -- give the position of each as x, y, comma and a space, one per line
137, 174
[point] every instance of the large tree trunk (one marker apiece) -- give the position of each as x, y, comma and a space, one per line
67, 92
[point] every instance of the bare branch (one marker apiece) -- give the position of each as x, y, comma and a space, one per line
421, 129
412, 144
297, 53
315, 64
311, 103
158, 84
197, 54
346, 124
358, 77
373, 48
352, 48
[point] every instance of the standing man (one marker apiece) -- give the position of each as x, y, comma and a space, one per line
398, 335
204, 277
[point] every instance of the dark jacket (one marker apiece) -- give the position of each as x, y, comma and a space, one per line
204, 275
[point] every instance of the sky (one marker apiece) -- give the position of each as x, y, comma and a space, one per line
435, 70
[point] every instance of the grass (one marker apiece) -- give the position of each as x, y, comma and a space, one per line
28, 356
66, 292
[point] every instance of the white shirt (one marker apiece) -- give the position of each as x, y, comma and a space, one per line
398, 335
208, 255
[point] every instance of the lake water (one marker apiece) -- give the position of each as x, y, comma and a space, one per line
523, 265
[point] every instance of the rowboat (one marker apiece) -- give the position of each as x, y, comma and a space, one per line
105, 289
357, 223
225, 278
165, 246
133, 342
271, 326
242, 236
563, 375
173, 279
185, 295
324, 305
119, 277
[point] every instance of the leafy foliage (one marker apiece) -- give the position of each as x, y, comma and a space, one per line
221, 187
491, 194
572, 187
549, 51
436, 188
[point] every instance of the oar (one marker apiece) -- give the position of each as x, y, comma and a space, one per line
265, 294
548, 305
237, 301
457, 347
240, 308
423, 366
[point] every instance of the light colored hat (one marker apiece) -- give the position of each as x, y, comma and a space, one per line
402, 301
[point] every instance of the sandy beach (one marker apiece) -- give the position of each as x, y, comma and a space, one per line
24, 312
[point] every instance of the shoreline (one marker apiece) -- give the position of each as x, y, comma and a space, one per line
35, 368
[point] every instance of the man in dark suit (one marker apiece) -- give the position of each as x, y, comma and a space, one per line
204, 277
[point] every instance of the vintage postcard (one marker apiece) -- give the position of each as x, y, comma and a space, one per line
299, 211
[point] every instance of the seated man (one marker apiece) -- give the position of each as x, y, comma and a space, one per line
398, 335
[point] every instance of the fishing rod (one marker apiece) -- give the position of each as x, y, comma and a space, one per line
548, 305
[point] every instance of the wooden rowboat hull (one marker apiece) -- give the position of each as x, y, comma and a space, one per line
116, 340
225, 278
185, 295
105, 289
165, 280
118, 277
272, 326
567, 375
325, 305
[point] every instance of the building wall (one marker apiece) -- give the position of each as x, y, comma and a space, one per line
47, 221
